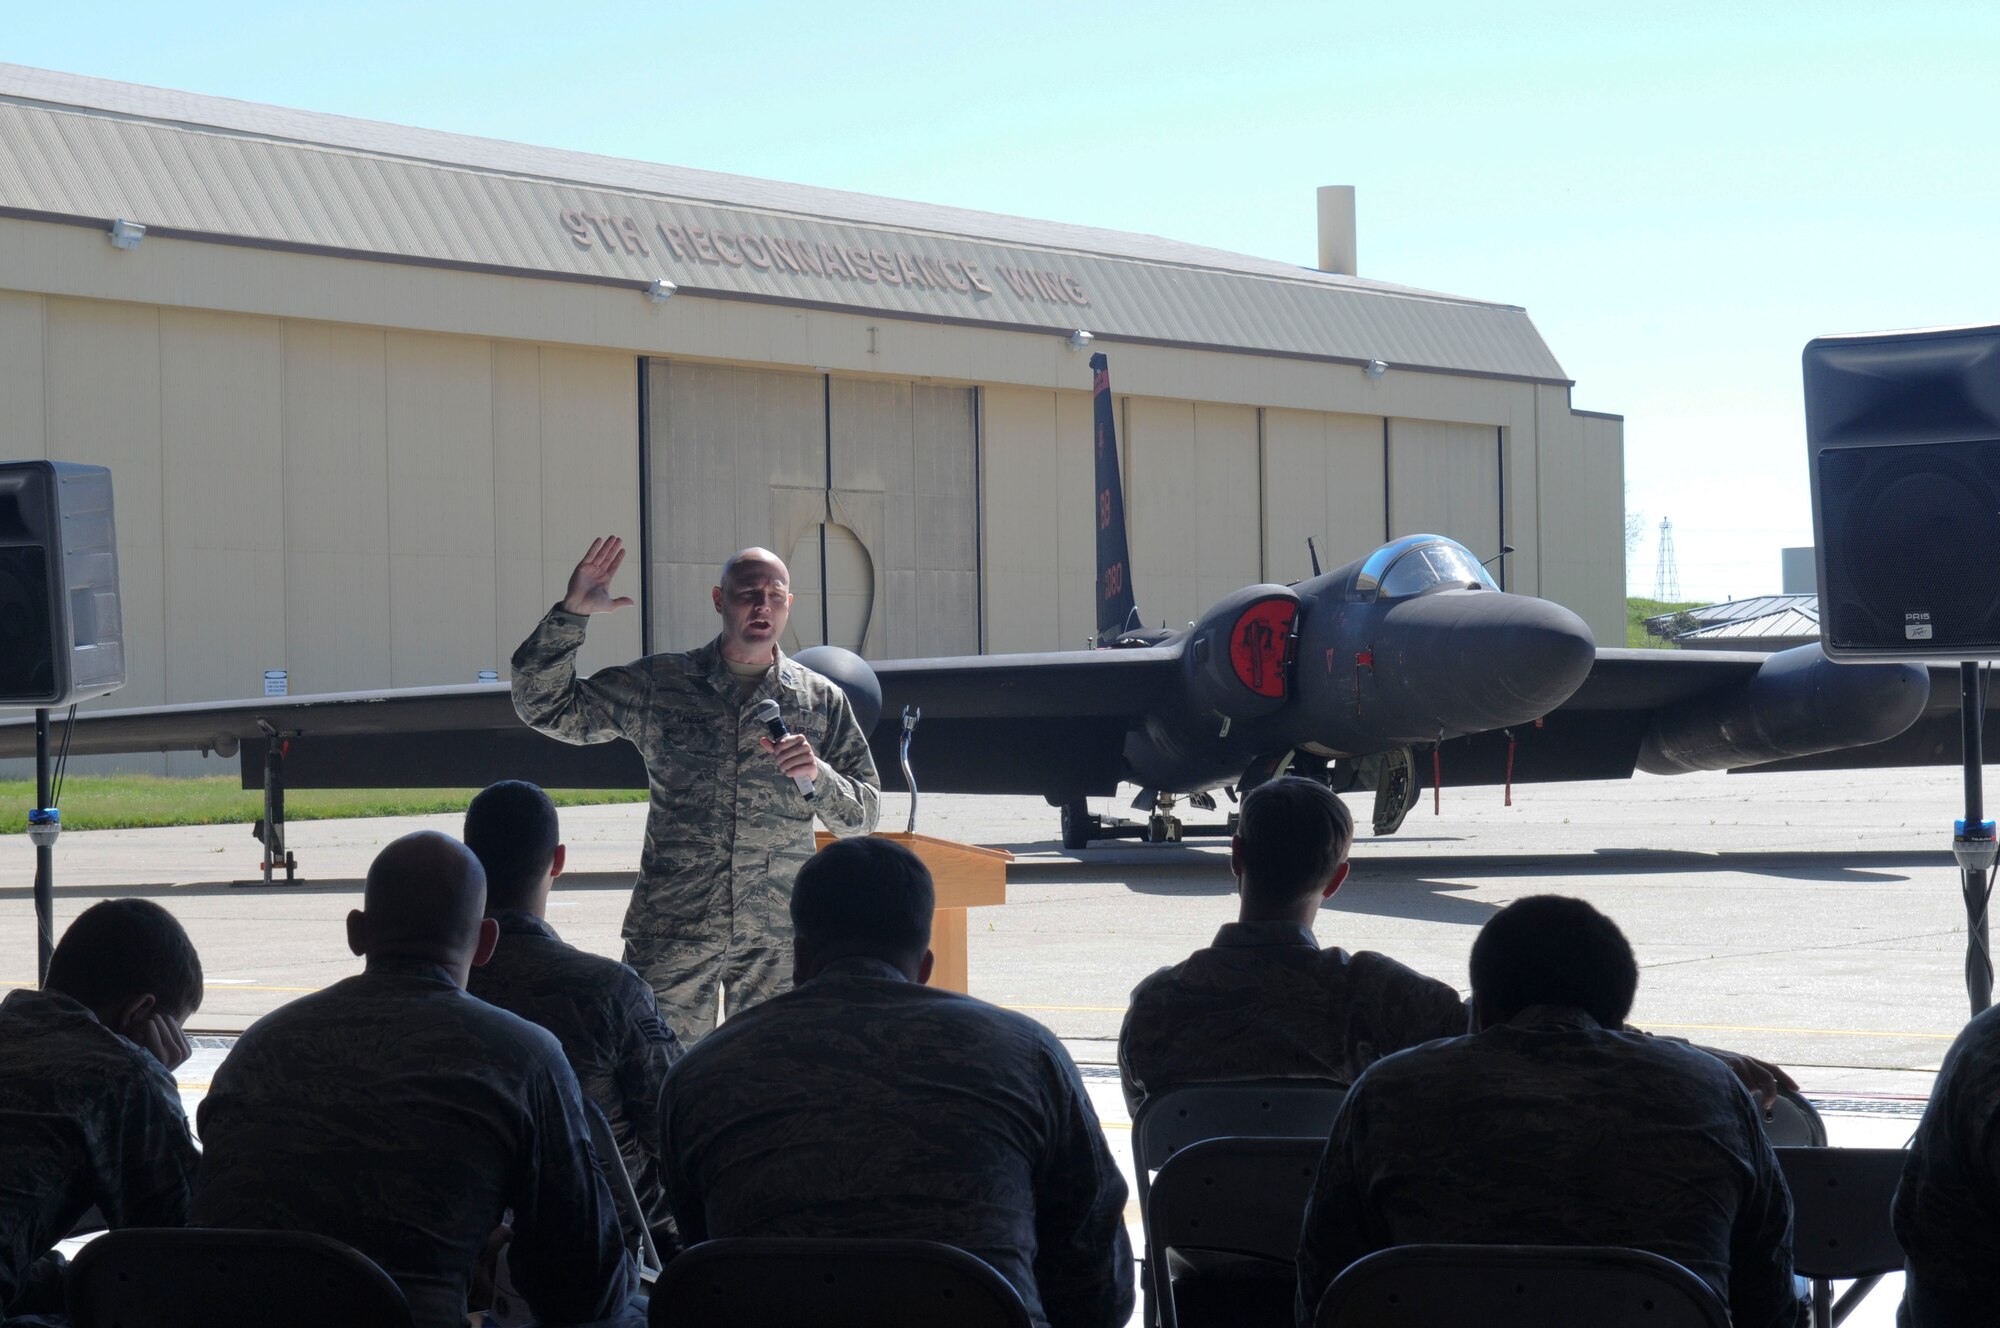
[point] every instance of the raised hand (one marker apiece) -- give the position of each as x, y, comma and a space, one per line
590, 584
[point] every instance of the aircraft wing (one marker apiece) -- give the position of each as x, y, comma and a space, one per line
416, 737
1674, 711
1052, 724
991, 724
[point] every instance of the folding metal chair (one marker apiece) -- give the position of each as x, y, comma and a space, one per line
1240, 1198
1840, 1221
1792, 1122
1252, 1109
198, 1278
1517, 1286
1173, 1118
770, 1282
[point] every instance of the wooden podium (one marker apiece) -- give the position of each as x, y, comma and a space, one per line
965, 876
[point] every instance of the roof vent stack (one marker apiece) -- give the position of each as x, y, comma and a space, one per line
1336, 229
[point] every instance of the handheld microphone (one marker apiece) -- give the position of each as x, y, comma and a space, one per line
767, 714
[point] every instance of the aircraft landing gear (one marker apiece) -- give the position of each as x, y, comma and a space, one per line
1163, 827
1079, 827
1395, 789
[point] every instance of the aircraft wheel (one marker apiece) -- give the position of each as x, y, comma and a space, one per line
1077, 824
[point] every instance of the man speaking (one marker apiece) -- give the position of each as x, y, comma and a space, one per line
731, 818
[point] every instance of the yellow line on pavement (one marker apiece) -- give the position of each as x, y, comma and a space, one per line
1814, 1032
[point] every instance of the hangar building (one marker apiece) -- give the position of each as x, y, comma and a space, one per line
367, 392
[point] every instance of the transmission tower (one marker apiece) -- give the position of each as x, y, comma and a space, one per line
1667, 575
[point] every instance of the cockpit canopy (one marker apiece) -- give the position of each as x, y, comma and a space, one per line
1417, 563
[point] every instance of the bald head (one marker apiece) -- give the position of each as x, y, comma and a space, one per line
753, 561
425, 899
755, 601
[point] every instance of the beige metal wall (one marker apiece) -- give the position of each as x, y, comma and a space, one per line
905, 480
1039, 559
1444, 479
1191, 504
1582, 514
360, 507
1323, 478
745, 456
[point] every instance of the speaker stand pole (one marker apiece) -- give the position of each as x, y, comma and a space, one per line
1974, 845
44, 824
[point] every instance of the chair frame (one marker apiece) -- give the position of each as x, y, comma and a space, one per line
679, 1293
193, 1250
1507, 1267
1819, 1233
1279, 1102
1173, 1223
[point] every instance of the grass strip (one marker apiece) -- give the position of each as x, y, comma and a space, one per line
127, 802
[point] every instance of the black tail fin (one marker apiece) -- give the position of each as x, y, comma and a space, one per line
1117, 612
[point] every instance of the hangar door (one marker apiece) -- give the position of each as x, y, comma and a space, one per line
1448, 479
867, 488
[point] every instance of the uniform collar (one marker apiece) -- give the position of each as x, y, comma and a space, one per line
1242, 935
859, 968
44, 1003
1554, 1017
520, 922
408, 966
716, 669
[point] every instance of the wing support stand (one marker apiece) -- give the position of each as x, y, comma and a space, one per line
910, 718
270, 828
1974, 844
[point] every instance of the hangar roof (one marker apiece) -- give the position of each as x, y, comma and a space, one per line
205, 168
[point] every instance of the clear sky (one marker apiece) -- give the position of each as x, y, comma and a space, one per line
1681, 195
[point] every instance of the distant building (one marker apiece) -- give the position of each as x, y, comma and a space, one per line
1801, 576
368, 391
1767, 622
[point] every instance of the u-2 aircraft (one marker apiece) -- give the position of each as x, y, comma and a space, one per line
1401, 672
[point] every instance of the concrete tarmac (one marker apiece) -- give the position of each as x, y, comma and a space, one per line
1814, 920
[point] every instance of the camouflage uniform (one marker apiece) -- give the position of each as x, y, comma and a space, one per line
726, 832
86, 1118
1551, 1130
1265, 1002
396, 1113
609, 1025
1947, 1210
862, 1104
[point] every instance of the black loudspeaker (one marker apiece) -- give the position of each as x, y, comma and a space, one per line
61, 636
1903, 437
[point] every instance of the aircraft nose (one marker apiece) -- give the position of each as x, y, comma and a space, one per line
1466, 661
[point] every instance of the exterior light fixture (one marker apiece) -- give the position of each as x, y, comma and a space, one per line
1376, 368
661, 290
1080, 340
126, 234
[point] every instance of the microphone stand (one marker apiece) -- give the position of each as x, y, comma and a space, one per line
910, 719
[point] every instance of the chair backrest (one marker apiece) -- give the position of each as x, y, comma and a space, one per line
1840, 1210
144, 1277
1517, 1286
1173, 1118
772, 1282
1241, 1196
1792, 1122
